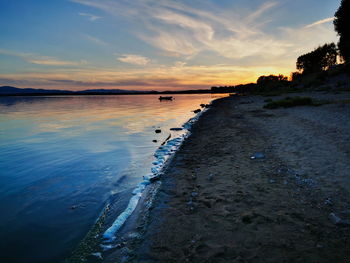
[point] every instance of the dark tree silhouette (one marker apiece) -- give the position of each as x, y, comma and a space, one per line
322, 58
271, 79
341, 25
295, 76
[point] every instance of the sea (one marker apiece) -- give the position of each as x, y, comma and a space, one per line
65, 159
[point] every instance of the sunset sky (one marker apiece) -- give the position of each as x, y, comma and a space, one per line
156, 44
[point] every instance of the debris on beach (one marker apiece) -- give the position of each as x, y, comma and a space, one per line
211, 177
197, 111
154, 141
158, 131
337, 220
190, 205
194, 194
304, 181
169, 136
328, 201
257, 155
176, 129
98, 255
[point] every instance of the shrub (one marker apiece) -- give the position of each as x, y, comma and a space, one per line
289, 102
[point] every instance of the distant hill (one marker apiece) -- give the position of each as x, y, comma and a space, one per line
8, 90
110, 91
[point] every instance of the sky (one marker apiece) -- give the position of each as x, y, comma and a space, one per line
156, 44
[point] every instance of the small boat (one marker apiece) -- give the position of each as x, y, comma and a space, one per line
166, 98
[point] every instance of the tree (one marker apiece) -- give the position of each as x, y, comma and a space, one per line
295, 76
322, 58
271, 79
341, 25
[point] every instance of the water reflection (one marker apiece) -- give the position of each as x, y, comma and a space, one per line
74, 151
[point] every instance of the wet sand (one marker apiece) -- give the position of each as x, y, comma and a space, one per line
217, 204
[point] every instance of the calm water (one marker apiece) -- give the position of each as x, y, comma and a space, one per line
62, 158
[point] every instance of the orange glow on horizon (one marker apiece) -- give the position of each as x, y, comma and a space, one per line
158, 78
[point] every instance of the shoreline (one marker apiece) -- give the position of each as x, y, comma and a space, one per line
216, 204
133, 218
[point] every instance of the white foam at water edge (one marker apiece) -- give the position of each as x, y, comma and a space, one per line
162, 154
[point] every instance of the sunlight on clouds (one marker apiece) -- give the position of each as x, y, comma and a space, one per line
50, 61
42, 60
326, 20
306, 39
195, 47
134, 59
178, 76
181, 30
178, 29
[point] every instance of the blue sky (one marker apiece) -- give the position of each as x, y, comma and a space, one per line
163, 44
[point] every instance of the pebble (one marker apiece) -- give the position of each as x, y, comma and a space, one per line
194, 194
97, 254
337, 220
328, 201
257, 155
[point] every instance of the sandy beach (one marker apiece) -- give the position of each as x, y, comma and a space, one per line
257, 185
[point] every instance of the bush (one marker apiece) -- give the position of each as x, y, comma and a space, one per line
289, 102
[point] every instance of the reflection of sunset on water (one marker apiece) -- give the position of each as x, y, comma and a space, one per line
69, 151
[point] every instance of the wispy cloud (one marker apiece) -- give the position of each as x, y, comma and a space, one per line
134, 59
42, 60
91, 17
320, 22
51, 61
95, 40
179, 29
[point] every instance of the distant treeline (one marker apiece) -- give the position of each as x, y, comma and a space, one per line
13, 91
242, 88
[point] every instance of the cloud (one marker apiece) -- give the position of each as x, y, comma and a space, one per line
91, 17
42, 60
209, 45
320, 22
178, 29
160, 77
51, 61
134, 59
95, 40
